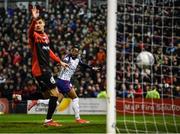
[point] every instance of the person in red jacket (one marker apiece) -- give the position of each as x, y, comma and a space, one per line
41, 55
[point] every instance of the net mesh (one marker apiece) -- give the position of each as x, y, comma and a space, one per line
153, 26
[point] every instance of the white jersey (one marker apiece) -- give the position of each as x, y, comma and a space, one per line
66, 73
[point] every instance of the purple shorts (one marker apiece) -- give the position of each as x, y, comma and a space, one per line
64, 86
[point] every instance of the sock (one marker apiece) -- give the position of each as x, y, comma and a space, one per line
75, 107
51, 107
34, 96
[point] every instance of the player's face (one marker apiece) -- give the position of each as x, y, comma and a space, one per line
39, 26
75, 53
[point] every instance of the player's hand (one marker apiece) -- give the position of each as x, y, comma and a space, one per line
63, 64
96, 68
35, 12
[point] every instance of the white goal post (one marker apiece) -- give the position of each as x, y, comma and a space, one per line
111, 66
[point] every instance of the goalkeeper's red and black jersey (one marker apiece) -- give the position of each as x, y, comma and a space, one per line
41, 52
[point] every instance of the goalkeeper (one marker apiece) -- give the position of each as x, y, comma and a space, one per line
63, 82
153, 94
41, 55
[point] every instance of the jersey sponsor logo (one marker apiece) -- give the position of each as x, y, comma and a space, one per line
45, 47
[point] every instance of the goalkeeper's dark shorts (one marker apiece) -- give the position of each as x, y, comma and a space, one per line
46, 81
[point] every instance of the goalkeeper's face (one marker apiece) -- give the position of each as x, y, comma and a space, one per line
75, 52
39, 26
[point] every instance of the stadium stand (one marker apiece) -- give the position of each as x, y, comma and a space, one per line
71, 24
68, 24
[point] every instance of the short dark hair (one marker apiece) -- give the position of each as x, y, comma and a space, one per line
75, 48
40, 18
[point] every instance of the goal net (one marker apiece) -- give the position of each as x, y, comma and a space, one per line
148, 99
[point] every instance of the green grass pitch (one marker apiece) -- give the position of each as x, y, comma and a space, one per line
22, 123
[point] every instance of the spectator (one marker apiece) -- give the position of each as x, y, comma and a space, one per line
100, 56
135, 35
73, 23
2, 80
102, 94
139, 91
131, 92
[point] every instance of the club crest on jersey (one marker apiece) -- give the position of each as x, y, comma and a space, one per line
46, 40
40, 39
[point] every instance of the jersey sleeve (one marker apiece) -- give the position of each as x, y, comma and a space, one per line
31, 29
53, 56
84, 65
66, 58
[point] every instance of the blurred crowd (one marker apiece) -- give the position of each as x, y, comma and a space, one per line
69, 24
154, 29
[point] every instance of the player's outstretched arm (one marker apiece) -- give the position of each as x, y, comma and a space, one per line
57, 59
88, 66
53, 56
63, 64
96, 68
35, 12
35, 15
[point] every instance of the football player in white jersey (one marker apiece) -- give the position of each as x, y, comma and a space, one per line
64, 85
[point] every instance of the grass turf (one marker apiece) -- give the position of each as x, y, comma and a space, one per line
22, 123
